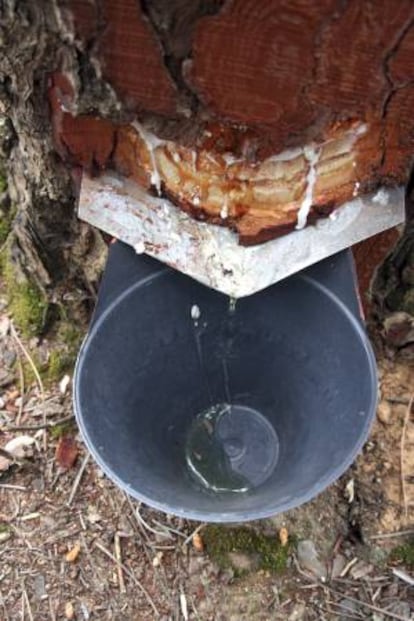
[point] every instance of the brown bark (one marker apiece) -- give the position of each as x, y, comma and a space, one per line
240, 82
224, 79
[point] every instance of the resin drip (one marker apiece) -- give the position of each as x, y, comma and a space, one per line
231, 448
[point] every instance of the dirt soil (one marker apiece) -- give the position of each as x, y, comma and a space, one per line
74, 546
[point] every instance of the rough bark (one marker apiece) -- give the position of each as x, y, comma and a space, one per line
47, 243
253, 100
217, 77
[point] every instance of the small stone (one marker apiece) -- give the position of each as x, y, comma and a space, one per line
93, 515
38, 484
349, 609
69, 611
308, 559
298, 613
338, 565
384, 412
39, 586
156, 561
361, 569
4, 536
9, 358
4, 326
64, 384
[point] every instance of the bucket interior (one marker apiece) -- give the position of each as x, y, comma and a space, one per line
291, 360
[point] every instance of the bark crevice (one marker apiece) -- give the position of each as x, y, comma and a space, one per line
173, 24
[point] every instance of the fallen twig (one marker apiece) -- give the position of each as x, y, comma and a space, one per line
47, 425
27, 602
159, 533
117, 546
169, 529
402, 444
78, 479
348, 567
21, 380
29, 359
195, 532
51, 609
19, 488
130, 574
183, 604
382, 611
402, 575
345, 613
400, 533
36, 374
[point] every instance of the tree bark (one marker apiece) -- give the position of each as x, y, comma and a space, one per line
221, 79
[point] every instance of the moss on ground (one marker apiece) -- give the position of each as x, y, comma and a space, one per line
5, 224
62, 358
3, 180
221, 541
404, 554
7, 213
57, 431
26, 303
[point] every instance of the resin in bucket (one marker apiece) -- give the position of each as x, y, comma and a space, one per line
223, 413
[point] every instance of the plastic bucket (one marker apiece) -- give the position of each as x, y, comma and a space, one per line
166, 357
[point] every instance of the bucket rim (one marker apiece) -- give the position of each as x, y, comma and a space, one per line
231, 516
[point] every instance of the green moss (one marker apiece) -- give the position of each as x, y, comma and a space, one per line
3, 181
4, 228
28, 308
220, 541
4, 528
404, 554
26, 303
56, 365
69, 335
63, 357
6, 220
58, 431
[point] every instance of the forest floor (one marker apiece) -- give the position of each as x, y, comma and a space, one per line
74, 546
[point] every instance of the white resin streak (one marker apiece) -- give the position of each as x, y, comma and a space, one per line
312, 156
211, 254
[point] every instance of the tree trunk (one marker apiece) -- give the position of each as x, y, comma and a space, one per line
270, 89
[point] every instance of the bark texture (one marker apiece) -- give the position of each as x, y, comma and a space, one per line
46, 243
223, 79
252, 101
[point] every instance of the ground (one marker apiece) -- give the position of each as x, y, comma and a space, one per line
73, 546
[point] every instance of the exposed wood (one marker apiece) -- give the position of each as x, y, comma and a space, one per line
262, 78
294, 107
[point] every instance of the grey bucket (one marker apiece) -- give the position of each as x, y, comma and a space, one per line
293, 359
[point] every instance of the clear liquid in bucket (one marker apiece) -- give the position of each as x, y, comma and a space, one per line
231, 448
